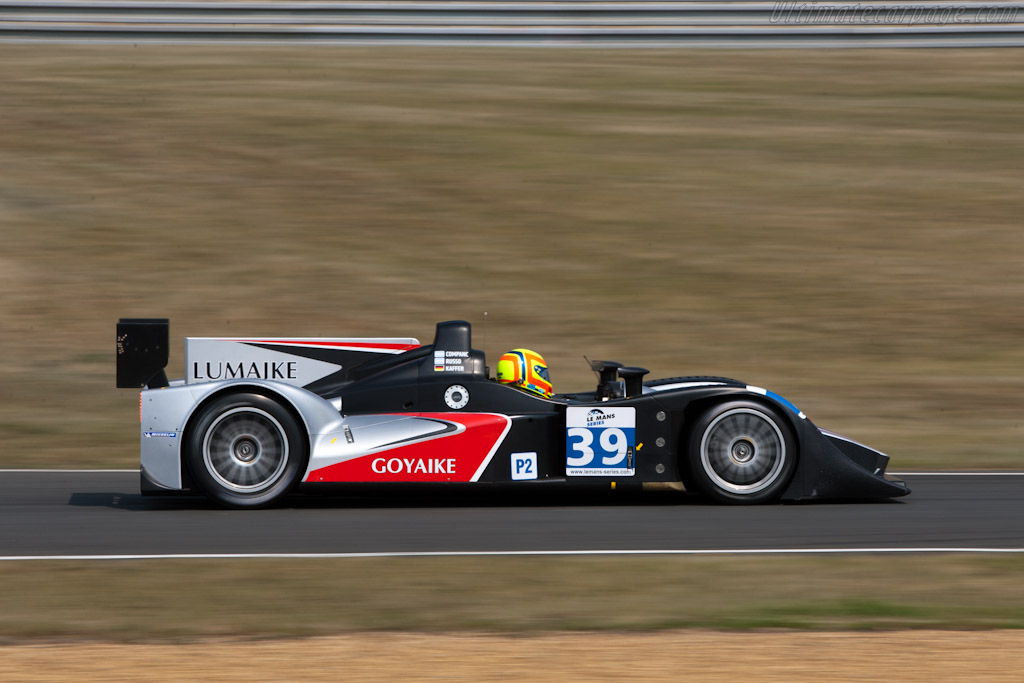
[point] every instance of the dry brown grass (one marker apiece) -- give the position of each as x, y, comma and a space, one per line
842, 226
173, 600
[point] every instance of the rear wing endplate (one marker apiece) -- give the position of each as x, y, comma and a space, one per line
142, 352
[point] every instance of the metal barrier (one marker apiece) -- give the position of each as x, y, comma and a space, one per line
581, 23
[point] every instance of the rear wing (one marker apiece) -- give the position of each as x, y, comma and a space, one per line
142, 352
309, 362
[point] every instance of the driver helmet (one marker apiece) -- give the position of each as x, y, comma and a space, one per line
525, 369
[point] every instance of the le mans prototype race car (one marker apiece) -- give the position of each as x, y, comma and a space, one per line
255, 417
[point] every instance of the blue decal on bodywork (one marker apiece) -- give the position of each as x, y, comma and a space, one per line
778, 399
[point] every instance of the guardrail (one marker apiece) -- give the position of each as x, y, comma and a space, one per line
574, 22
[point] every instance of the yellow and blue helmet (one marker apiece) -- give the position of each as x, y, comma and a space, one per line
525, 369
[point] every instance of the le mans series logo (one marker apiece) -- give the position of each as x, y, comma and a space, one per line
600, 443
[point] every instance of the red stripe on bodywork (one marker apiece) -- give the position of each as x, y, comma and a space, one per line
355, 346
452, 456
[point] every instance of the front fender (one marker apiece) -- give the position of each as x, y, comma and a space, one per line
832, 466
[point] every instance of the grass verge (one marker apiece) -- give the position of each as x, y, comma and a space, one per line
194, 599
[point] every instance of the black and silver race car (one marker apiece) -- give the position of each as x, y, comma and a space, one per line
254, 417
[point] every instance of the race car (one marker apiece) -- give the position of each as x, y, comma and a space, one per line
255, 417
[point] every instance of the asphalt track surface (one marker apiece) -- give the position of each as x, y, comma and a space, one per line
103, 513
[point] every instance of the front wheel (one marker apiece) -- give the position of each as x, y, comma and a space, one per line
245, 450
742, 453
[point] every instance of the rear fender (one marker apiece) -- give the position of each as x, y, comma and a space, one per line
168, 413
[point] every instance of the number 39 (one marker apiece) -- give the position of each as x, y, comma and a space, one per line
612, 440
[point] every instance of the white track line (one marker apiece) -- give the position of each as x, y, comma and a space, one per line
508, 553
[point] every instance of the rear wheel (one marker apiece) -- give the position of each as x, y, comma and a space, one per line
742, 452
246, 450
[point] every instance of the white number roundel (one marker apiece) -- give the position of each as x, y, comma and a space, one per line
456, 397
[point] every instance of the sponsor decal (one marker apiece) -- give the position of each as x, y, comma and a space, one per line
217, 360
597, 417
600, 443
460, 454
168, 435
413, 465
240, 370
524, 466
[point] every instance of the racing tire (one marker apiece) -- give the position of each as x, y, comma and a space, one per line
742, 452
246, 451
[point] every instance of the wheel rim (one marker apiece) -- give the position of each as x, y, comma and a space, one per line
743, 451
245, 450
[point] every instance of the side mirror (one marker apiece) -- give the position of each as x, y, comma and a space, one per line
607, 371
634, 378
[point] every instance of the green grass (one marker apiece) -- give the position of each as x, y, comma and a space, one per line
840, 226
186, 599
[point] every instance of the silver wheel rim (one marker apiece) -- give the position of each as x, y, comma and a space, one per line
245, 450
743, 451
